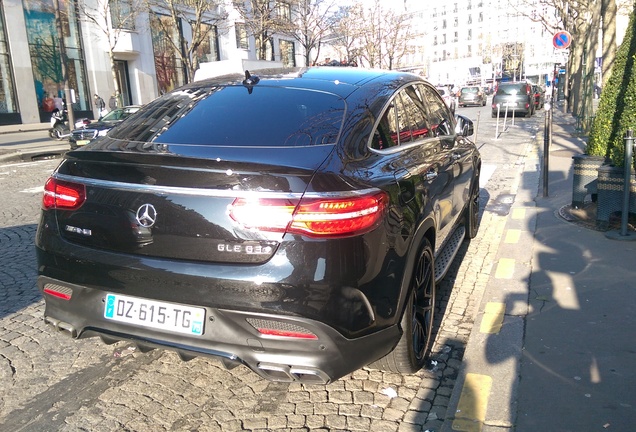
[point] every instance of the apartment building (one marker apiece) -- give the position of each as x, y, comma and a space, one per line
481, 40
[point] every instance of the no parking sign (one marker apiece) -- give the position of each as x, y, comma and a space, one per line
562, 40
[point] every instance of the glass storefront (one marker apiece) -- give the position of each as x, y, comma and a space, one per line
44, 47
8, 102
168, 65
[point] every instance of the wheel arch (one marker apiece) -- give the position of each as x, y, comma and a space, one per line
426, 230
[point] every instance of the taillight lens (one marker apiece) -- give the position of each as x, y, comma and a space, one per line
313, 217
63, 195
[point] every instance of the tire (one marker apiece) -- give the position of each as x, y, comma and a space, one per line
471, 217
413, 348
57, 133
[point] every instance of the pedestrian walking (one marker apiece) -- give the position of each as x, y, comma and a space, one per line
100, 105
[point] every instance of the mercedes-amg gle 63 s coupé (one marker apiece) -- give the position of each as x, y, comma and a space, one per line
294, 222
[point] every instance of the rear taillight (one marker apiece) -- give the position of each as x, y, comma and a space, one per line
63, 195
313, 217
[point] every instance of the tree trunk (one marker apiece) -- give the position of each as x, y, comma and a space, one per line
608, 12
113, 71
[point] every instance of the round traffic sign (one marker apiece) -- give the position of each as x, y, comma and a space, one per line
562, 39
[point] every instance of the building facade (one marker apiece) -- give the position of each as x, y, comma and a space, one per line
145, 65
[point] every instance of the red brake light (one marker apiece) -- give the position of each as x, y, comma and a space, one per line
313, 217
59, 194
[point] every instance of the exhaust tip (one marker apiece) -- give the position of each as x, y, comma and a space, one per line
286, 373
61, 326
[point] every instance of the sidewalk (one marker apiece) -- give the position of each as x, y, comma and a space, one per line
24, 128
18, 144
553, 346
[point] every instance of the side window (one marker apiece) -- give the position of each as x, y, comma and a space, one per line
414, 107
441, 122
404, 122
386, 134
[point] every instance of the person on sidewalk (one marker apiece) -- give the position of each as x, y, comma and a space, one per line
100, 105
112, 102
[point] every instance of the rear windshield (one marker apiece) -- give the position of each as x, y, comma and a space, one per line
511, 89
239, 117
470, 90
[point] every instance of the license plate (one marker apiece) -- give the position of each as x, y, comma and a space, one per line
82, 142
510, 104
155, 314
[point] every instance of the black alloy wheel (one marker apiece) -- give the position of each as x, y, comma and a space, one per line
413, 348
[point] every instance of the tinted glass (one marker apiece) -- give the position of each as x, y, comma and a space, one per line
439, 115
416, 112
514, 89
236, 116
385, 135
403, 121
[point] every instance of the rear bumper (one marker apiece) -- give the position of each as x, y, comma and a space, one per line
227, 335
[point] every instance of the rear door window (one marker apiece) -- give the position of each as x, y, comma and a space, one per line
440, 118
404, 121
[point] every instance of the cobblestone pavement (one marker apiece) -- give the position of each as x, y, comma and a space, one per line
51, 382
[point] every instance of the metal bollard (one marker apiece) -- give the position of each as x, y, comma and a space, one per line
505, 118
497, 128
629, 148
547, 140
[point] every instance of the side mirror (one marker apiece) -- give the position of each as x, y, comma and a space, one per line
464, 126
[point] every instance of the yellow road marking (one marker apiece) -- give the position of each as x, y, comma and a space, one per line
493, 318
505, 268
473, 402
518, 213
512, 236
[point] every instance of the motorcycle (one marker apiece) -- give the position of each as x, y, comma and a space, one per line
59, 124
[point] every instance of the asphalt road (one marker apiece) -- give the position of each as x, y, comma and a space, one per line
50, 382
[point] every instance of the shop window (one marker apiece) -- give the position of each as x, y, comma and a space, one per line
242, 41
46, 58
208, 51
287, 53
168, 66
8, 103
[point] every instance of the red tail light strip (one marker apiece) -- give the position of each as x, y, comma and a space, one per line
313, 217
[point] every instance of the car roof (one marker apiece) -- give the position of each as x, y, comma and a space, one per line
338, 80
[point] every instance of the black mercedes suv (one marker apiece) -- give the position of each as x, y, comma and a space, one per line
295, 222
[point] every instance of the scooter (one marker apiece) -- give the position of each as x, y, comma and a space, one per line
59, 125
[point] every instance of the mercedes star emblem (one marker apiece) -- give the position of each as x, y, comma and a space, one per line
146, 215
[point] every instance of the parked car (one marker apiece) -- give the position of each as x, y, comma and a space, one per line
539, 96
515, 96
473, 95
83, 135
448, 96
296, 223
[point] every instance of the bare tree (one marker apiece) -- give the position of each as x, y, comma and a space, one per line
112, 18
204, 18
397, 38
379, 37
346, 26
311, 24
263, 19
